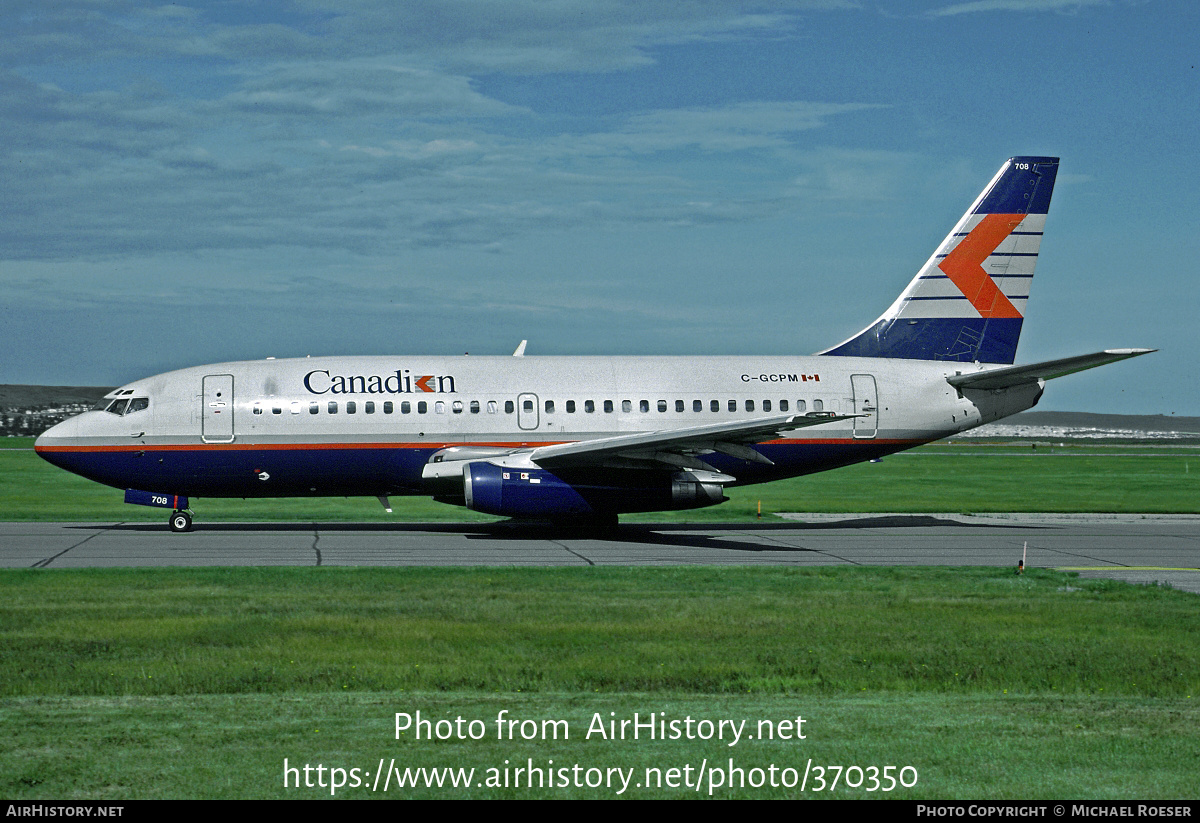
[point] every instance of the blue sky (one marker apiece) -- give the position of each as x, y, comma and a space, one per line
191, 183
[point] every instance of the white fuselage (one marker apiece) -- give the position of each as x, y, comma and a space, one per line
369, 425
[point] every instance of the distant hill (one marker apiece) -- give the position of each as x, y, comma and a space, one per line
1049, 425
1133, 422
27, 411
25, 397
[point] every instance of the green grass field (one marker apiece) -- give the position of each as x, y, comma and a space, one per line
200, 682
960, 477
181, 683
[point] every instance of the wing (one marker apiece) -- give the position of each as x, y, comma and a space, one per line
679, 447
1017, 375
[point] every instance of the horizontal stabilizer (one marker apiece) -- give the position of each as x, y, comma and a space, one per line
1019, 375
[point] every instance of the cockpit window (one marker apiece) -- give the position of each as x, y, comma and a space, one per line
126, 405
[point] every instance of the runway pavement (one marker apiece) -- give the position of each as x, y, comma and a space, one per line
1135, 548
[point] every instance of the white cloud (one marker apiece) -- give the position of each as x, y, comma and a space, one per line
736, 127
854, 175
357, 88
532, 36
514, 36
1015, 5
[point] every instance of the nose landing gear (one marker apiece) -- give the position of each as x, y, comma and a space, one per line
181, 521
181, 518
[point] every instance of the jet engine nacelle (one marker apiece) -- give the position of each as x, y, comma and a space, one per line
532, 492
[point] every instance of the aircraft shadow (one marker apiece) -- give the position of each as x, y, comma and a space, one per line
699, 535
717, 536
515, 532
534, 529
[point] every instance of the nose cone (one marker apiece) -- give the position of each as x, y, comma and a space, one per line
45, 443
52, 433
82, 446
52, 445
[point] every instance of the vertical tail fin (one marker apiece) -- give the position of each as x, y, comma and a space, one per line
968, 301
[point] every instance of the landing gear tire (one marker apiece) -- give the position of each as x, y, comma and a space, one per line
181, 521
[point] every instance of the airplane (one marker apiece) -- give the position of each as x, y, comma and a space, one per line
584, 439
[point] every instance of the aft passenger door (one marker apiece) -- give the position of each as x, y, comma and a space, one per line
866, 403
216, 413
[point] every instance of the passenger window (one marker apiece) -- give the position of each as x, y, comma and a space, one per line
405, 407
474, 407
508, 407
422, 407
678, 405
626, 406
388, 408
439, 407
662, 405
351, 407
276, 410
644, 405
295, 407
456, 407
257, 407
818, 405
492, 407
314, 408
549, 407
799, 405
570, 407
697, 406
749, 405
333, 407
783, 405
369, 407
766, 405
714, 406
589, 406
733, 405
527, 405
608, 406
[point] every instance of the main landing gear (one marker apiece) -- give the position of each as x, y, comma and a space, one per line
181, 521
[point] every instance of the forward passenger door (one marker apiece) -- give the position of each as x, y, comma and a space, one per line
216, 413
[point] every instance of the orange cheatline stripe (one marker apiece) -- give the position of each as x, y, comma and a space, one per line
964, 265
